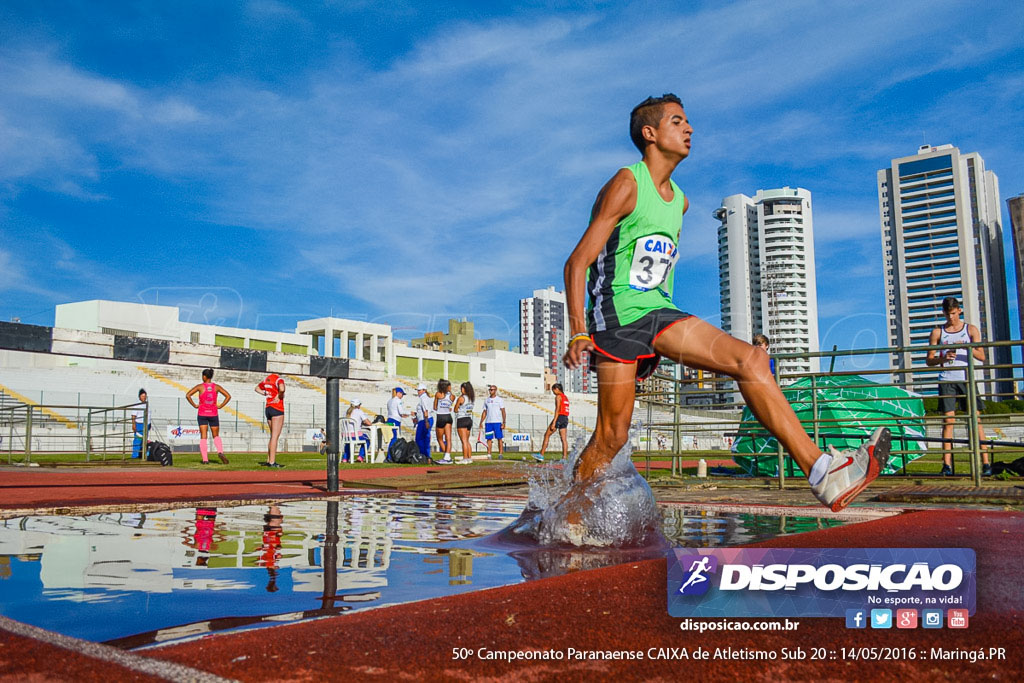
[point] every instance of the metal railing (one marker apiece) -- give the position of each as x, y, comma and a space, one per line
105, 433
703, 415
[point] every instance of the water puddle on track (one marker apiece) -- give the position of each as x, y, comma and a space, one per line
138, 579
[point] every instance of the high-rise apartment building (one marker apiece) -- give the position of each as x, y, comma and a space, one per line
766, 271
1016, 207
543, 331
941, 236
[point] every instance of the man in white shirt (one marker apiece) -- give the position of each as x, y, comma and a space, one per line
424, 422
138, 418
396, 411
493, 419
356, 414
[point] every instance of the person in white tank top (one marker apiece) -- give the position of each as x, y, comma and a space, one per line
464, 420
443, 400
953, 377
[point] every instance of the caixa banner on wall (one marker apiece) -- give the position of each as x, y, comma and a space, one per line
177, 433
816, 582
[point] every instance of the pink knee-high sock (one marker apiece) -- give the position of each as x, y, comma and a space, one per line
203, 449
218, 444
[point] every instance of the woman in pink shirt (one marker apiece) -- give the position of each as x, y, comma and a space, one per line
208, 413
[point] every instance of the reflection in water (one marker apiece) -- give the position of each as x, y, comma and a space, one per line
134, 580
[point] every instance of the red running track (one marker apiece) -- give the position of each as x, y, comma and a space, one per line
624, 607
615, 608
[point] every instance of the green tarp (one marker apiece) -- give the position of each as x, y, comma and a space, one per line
849, 407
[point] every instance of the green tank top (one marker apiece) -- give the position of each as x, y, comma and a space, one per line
633, 274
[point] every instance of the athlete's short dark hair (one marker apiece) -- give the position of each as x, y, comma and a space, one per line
760, 339
648, 113
949, 303
208, 374
558, 386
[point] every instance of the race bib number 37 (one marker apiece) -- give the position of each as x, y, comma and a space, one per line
653, 260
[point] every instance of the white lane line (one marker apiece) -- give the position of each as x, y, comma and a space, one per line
169, 671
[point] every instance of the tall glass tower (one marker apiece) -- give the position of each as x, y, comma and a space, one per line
941, 236
766, 271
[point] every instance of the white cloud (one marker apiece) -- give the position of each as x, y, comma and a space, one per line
486, 143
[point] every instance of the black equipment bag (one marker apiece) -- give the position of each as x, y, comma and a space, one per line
158, 451
396, 450
414, 457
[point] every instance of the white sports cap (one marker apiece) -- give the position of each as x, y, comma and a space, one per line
422, 387
357, 403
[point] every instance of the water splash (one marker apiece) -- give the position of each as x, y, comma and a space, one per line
615, 509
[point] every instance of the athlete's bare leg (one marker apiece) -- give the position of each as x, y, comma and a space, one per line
547, 435
276, 425
697, 344
616, 391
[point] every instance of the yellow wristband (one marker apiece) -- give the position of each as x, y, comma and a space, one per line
581, 335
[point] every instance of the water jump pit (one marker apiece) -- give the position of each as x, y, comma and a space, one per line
137, 580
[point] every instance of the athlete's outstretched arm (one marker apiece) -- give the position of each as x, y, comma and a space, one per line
615, 201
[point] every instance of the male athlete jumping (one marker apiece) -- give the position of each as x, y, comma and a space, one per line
625, 262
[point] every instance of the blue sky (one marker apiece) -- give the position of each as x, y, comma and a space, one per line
263, 162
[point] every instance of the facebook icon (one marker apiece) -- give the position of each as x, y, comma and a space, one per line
856, 618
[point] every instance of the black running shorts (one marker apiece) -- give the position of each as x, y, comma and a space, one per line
634, 343
953, 397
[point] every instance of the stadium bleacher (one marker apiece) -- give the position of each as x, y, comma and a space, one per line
68, 391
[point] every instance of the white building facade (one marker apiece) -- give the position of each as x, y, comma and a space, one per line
371, 345
164, 322
766, 271
942, 236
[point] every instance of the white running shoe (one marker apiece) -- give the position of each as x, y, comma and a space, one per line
465, 461
852, 471
446, 460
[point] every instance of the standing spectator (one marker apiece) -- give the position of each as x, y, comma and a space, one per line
359, 417
560, 422
443, 400
761, 341
209, 417
396, 411
138, 419
464, 420
273, 388
953, 382
424, 421
493, 418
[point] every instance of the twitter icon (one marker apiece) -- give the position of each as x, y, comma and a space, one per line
881, 618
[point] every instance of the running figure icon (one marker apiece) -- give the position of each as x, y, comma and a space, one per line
697, 571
